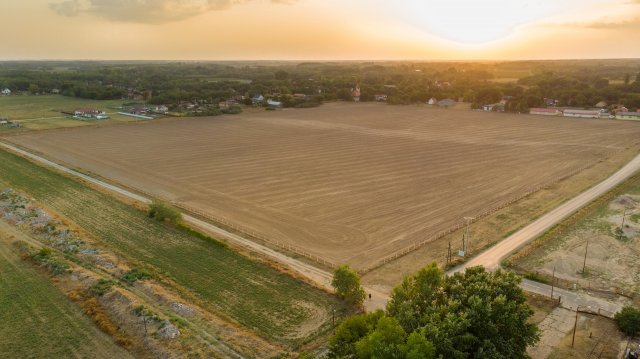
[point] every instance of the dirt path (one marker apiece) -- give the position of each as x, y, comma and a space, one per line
492, 257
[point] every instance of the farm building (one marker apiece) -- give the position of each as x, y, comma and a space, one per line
545, 111
628, 116
90, 113
447, 102
494, 107
582, 113
161, 109
432, 101
6, 92
380, 97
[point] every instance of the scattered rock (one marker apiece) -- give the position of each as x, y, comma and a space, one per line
182, 309
168, 331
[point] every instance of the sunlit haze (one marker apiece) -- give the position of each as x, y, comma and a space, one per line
319, 29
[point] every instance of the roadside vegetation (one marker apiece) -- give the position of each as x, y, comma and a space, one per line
475, 314
270, 302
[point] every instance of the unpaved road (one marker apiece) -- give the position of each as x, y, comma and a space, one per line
490, 258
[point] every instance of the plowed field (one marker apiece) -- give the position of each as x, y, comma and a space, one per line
346, 182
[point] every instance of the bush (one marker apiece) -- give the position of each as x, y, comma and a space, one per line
628, 320
45, 258
101, 287
135, 275
536, 277
165, 213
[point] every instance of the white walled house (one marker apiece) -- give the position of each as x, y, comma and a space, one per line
582, 113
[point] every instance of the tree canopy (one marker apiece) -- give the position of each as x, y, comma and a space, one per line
475, 314
628, 320
347, 285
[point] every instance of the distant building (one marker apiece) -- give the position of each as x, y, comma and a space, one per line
380, 97
581, 113
545, 111
355, 93
90, 113
601, 104
446, 103
628, 116
300, 95
161, 109
274, 104
257, 99
499, 107
55, 91
432, 101
5, 92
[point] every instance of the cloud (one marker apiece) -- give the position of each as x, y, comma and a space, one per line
146, 11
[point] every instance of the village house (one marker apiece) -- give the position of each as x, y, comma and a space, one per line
581, 113
380, 97
628, 116
257, 99
601, 104
90, 113
432, 101
55, 91
5, 92
162, 109
545, 111
300, 96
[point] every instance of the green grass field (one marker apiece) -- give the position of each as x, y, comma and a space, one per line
44, 112
38, 321
274, 304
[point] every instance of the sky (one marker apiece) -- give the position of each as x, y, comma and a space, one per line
319, 29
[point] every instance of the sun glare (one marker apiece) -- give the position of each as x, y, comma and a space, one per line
475, 22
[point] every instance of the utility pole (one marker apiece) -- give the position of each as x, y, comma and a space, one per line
575, 325
468, 219
584, 264
449, 254
553, 280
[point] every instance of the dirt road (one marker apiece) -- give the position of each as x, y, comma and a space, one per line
492, 257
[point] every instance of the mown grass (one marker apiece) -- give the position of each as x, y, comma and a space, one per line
256, 295
35, 112
38, 321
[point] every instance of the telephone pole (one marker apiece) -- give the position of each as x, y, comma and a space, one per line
584, 264
553, 280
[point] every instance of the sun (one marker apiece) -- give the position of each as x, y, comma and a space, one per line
473, 21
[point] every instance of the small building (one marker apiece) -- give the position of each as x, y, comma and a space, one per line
628, 116
5, 92
274, 104
601, 104
257, 99
499, 107
90, 113
545, 111
380, 97
446, 103
55, 91
581, 113
162, 109
300, 96
432, 101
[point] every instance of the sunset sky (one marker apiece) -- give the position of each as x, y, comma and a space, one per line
319, 29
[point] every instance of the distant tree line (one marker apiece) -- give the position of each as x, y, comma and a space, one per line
571, 83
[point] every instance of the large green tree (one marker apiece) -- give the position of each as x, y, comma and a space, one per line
475, 314
628, 320
347, 285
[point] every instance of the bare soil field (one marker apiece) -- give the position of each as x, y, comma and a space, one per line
349, 183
